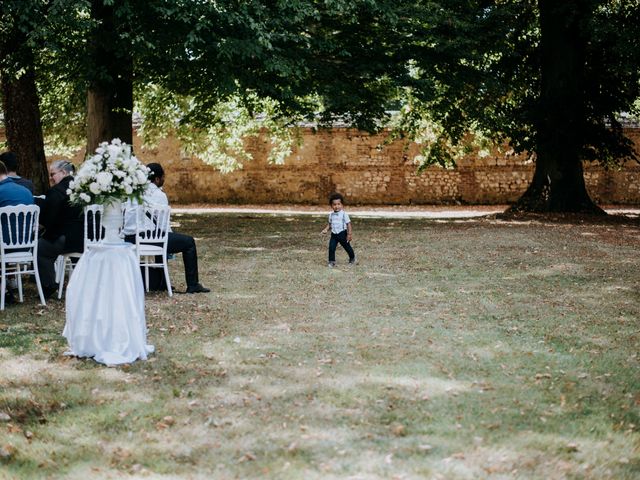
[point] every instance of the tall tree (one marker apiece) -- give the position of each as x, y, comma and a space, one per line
562, 122
110, 91
20, 103
548, 77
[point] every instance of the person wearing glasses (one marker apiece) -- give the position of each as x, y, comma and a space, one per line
62, 223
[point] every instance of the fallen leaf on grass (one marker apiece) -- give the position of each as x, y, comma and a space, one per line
11, 428
7, 452
169, 420
247, 457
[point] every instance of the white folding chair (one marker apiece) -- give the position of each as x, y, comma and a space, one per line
152, 236
19, 247
93, 233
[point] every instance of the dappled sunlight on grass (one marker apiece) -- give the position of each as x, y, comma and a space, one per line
531, 455
32, 371
454, 350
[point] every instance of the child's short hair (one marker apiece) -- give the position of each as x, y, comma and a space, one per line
335, 196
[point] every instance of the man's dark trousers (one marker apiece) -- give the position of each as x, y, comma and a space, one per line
185, 244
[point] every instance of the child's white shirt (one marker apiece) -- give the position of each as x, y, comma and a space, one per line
338, 221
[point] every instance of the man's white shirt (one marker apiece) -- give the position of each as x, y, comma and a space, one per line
153, 195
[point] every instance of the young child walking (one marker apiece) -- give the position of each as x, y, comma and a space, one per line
340, 226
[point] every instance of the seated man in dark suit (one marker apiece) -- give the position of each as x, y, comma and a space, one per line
11, 162
62, 222
177, 242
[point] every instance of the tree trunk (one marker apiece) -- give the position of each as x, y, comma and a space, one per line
558, 182
110, 94
23, 128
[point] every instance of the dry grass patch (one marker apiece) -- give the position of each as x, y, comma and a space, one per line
479, 348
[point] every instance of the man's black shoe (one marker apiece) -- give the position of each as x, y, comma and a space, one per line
197, 288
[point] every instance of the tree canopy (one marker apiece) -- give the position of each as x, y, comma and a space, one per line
546, 77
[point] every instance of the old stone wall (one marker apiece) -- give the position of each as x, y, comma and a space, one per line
352, 162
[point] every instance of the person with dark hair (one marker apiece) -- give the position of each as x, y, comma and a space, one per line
63, 224
177, 242
10, 161
11, 194
340, 226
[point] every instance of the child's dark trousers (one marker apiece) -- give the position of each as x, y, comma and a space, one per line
340, 238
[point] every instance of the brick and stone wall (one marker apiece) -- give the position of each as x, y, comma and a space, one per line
352, 162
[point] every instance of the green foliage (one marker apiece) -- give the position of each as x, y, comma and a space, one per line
221, 140
415, 122
475, 67
215, 72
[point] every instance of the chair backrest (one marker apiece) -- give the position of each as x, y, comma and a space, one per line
93, 229
154, 232
19, 227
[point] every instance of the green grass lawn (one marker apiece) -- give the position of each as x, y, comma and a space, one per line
455, 350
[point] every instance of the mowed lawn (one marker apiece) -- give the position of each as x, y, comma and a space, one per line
455, 349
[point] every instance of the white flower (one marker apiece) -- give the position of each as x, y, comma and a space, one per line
111, 174
104, 179
113, 151
141, 177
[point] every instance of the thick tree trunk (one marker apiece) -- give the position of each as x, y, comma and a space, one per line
558, 182
110, 94
23, 128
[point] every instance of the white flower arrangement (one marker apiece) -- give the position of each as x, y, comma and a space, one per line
111, 175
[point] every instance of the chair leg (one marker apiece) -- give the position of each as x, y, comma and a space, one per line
57, 265
166, 277
3, 285
62, 270
146, 274
38, 284
19, 281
